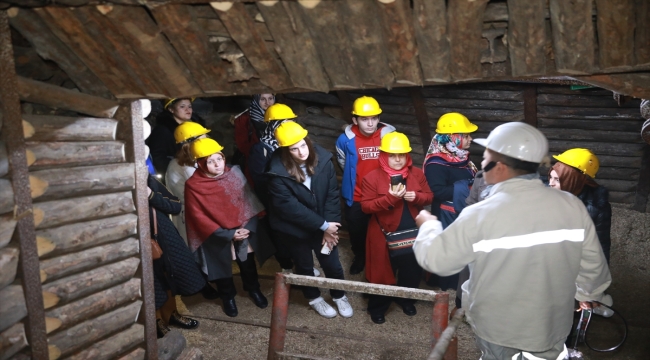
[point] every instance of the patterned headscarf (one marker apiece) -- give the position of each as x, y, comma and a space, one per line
445, 146
256, 111
268, 136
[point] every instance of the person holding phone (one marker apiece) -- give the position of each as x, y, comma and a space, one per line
306, 211
394, 194
449, 172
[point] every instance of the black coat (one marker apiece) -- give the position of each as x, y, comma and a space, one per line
259, 160
176, 270
596, 200
441, 179
297, 210
161, 142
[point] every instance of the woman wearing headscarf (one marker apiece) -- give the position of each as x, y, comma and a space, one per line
575, 172
449, 172
394, 204
306, 211
249, 127
222, 217
161, 142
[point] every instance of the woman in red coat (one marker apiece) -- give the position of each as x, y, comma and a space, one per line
394, 207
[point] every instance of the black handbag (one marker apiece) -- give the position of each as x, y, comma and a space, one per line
400, 242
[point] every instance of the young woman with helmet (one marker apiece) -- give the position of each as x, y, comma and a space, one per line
306, 211
161, 142
394, 194
575, 172
222, 215
449, 172
182, 167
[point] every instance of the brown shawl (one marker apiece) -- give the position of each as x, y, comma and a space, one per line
571, 179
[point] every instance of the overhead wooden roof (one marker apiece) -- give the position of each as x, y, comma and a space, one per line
172, 48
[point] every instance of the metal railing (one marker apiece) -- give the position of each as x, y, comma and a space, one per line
280, 308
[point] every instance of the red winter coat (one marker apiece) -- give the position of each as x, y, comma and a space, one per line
387, 208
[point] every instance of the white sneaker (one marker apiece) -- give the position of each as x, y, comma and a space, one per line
323, 308
344, 307
316, 272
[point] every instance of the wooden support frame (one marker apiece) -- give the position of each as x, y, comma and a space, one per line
12, 132
422, 117
530, 104
643, 186
346, 105
527, 37
130, 130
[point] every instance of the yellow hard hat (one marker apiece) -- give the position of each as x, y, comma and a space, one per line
189, 130
366, 106
454, 123
279, 112
204, 147
170, 101
289, 133
581, 159
395, 143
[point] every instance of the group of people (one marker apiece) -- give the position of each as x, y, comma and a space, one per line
520, 247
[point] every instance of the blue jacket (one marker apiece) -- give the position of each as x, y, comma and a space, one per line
346, 155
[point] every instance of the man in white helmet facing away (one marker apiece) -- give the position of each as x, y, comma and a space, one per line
531, 251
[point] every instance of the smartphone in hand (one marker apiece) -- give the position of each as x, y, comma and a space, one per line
395, 181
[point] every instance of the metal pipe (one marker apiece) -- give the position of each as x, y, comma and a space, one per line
440, 316
279, 315
363, 287
444, 344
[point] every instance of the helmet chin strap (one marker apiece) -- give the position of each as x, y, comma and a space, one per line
487, 168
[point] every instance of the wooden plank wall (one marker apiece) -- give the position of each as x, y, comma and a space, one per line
588, 118
83, 212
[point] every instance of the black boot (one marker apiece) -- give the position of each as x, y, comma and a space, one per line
181, 321
357, 265
258, 298
230, 307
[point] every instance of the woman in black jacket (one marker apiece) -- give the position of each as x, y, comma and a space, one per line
161, 142
306, 210
175, 272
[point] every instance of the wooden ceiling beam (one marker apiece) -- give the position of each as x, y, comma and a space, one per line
573, 36
192, 46
642, 32
465, 26
295, 45
616, 24
49, 47
331, 41
430, 26
397, 23
527, 37
367, 43
242, 30
71, 31
630, 84
156, 52
110, 36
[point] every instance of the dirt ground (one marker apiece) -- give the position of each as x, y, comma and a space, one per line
403, 337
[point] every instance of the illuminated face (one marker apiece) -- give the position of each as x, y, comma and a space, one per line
182, 110
299, 151
266, 100
554, 180
216, 164
396, 161
367, 124
466, 141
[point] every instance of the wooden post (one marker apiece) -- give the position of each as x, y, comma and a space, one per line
643, 186
12, 133
346, 105
422, 117
527, 37
130, 131
530, 104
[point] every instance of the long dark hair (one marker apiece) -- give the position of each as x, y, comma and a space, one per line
293, 168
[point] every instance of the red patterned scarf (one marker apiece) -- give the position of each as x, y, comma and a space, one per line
383, 164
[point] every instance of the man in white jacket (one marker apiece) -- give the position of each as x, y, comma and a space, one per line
531, 250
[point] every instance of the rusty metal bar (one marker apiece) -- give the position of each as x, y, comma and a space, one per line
279, 314
131, 132
12, 132
362, 287
440, 316
447, 339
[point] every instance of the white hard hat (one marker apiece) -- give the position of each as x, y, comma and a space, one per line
517, 140
146, 129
